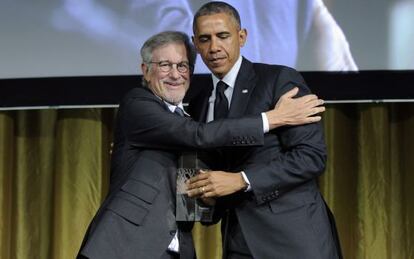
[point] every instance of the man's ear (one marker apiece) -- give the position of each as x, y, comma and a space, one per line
193, 40
242, 37
145, 71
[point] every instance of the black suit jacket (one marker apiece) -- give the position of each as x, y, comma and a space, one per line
284, 216
137, 218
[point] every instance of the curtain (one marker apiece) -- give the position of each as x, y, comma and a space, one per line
54, 172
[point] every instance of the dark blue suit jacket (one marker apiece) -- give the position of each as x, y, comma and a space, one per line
284, 216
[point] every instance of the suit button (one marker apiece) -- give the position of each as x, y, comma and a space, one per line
172, 232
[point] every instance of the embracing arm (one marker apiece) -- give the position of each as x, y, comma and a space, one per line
146, 123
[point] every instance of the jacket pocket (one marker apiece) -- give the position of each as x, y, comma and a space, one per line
140, 190
128, 210
291, 201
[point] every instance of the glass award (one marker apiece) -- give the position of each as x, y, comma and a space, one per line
190, 209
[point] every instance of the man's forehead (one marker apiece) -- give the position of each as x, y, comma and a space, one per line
173, 54
170, 49
218, 19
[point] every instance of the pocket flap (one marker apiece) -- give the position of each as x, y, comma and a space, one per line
291, 202
140, 190
128, 210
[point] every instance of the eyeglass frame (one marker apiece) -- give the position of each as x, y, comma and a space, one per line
165, 64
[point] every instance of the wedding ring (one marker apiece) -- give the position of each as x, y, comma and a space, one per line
202, 189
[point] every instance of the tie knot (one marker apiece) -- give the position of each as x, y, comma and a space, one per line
179, 111
221, 87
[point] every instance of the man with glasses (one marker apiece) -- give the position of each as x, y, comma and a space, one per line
137, 218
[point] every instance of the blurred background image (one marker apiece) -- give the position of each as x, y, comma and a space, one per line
91, 37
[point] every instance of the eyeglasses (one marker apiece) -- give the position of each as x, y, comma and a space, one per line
166, 66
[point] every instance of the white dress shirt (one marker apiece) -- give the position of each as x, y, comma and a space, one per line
174, 246
230, 80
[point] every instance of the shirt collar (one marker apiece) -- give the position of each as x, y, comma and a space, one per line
172, 107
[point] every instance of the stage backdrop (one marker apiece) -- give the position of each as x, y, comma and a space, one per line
54, 174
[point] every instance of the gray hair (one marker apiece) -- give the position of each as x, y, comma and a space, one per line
216, 7
163, 38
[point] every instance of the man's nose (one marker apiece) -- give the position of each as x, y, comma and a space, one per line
174, 72
214, 45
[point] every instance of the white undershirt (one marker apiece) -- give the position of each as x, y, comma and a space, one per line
174, 246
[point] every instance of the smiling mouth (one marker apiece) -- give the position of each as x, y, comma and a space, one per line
173, 85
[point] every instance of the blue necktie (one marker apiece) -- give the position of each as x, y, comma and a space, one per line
179, 111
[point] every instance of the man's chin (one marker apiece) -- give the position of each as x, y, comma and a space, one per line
217, 70
174, 99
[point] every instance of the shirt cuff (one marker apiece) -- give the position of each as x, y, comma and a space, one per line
174, 245
265, 123
249, 188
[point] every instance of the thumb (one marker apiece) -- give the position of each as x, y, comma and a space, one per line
291, 93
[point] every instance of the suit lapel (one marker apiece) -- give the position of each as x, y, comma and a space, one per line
156, 98
202, 102
243, 88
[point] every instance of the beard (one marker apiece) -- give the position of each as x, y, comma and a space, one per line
169, 94
173, 96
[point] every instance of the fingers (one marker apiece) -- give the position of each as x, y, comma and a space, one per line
312, 103
307, 98
315, 102
313, 119
197, 192
313, 110
208, 192
197, 184
312, 116
320, 109
202, 191
202, 176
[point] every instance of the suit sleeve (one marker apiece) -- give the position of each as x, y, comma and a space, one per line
147, 124
301, 156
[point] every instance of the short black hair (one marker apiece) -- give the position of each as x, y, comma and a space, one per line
216, 7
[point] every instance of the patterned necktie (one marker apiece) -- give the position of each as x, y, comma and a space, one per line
179, 111
221, 104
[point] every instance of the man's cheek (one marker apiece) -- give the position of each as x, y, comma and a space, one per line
160, 87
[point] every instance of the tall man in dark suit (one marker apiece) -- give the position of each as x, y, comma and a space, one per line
137, 218
270, 204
